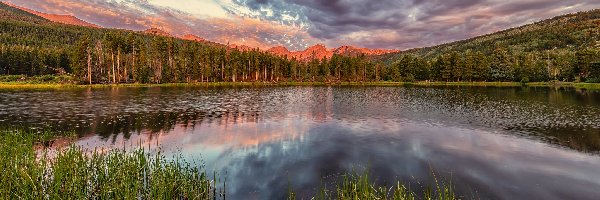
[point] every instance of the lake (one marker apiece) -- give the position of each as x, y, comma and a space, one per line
491, 143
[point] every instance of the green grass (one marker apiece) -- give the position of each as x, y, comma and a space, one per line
74, 173
589, 86
45, 79
29, 172
65, 81
355, 186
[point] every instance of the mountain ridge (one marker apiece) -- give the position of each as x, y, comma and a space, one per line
320, 51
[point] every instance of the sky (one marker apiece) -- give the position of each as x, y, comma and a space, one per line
297, 24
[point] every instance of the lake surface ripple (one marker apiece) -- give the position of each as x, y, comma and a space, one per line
492, 143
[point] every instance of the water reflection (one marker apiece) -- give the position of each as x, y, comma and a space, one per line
506, 143
261, 158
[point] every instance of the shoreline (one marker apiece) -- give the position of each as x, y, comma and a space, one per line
24, 85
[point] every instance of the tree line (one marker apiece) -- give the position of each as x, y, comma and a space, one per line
133, 58
109, 56
128, 58
501, 65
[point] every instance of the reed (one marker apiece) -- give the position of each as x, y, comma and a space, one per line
29, 172
74, 173
357, 186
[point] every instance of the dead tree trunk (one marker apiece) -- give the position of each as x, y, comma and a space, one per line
119, 64
112, 54
89, 64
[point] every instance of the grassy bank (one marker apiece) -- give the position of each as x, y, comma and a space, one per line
50, 82
74, 173
77, 174
18, 85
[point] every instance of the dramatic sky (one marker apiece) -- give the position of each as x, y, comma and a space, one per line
391, 24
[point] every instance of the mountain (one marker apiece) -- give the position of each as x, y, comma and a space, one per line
158, 32
319, 51
279, 50
63, 19
356, 51
193, 37
240, 47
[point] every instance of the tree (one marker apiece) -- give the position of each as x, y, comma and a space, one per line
500, 66
81, 59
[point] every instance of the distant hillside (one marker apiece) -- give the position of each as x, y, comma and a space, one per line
564, 48
571, 31
10, 13
63, 19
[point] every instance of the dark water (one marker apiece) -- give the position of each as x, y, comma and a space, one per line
493, 143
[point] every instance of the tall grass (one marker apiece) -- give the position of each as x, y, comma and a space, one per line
74, 173
355, 186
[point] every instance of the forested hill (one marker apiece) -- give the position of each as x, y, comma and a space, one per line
10, 13
571, 31
565, 48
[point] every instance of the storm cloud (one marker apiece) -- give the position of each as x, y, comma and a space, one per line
391, 24
411, 23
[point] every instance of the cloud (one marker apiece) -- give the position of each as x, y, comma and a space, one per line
298, 23
412, 23
142, 14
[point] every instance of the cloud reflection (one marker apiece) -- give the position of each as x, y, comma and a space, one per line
260, 158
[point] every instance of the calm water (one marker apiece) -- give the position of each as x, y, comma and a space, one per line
494, 143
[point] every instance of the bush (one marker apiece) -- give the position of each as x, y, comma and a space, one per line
592, 80
11, 78
46, 78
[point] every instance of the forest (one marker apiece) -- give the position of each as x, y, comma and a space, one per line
564, 48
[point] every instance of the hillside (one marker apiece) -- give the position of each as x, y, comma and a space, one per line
564, 48
10, 13
571, 31
63, 19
